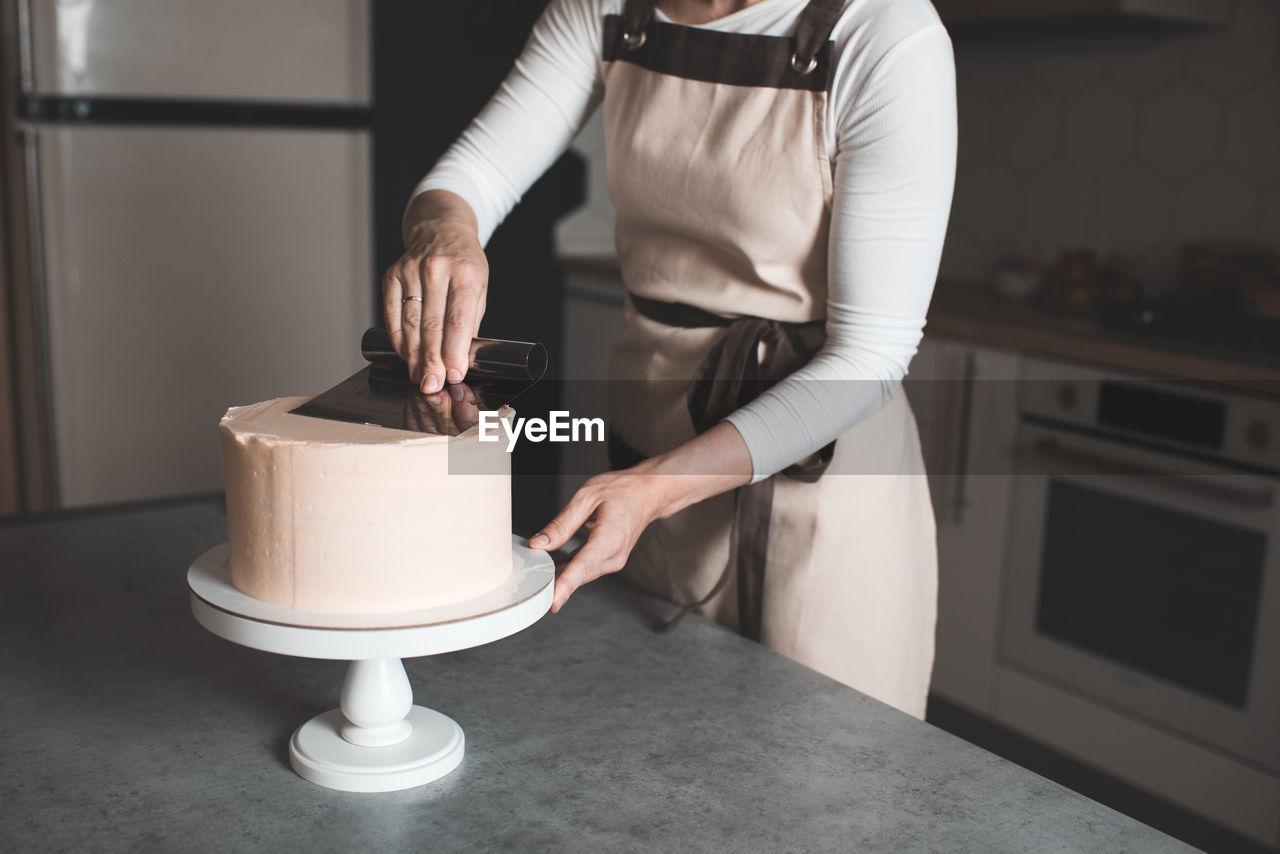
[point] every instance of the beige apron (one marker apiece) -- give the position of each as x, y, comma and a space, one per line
718, 169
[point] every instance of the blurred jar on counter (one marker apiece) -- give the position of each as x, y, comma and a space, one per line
1078, 281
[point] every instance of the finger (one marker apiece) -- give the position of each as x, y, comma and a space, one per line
392, 293
475, 345
560, 529
411, 320
460, 323
598, 556
435, 295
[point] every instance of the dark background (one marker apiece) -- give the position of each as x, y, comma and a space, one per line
472, 45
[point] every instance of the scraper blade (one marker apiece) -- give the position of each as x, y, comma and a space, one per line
382, 394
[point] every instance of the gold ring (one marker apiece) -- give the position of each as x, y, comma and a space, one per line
406, 299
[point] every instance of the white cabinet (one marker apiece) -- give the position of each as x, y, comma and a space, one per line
965, 400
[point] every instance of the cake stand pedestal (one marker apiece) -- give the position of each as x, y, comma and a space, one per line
377, 740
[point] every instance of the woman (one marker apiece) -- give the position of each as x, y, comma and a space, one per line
782, 172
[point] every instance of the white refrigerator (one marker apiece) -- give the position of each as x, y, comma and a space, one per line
198, 210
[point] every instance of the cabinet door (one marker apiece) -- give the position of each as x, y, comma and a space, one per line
966, 404
940, 387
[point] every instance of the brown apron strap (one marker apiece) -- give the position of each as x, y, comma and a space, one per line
677, 313
732, 375
636, 15
729, 567
814, 28
750, 545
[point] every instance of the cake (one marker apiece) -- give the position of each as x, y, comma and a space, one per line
332, 517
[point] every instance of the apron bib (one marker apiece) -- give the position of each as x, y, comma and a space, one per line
718, 169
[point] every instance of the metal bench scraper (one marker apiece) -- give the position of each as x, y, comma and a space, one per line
382, 394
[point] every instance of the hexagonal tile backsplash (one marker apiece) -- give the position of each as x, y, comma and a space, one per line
1129, 142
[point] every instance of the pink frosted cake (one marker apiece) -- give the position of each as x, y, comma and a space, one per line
350, 518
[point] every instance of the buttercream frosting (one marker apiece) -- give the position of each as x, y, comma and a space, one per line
334, 517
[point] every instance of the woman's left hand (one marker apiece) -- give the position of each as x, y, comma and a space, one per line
615, 508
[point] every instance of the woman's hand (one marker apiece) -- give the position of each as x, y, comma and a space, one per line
434, 296
616, 507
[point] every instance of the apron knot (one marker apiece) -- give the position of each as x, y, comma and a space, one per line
754, 354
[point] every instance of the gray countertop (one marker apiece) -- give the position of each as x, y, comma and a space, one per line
126, 726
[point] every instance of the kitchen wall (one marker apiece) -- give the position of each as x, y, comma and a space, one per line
1127, 142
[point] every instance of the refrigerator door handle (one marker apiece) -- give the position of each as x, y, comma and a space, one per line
26, 61
38, 313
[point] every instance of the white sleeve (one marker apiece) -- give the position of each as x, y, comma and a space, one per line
894, 174
556, 84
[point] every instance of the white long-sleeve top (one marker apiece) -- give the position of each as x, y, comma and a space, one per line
891, 136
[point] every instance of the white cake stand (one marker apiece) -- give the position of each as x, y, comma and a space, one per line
377, 741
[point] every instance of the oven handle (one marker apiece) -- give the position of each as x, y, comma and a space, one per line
1256, 499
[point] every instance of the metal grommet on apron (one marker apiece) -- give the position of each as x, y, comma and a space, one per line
718, 168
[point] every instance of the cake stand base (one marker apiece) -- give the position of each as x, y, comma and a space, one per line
319, 753
377, 740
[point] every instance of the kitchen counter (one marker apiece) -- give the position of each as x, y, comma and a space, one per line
126, 726
974, 313
971, 311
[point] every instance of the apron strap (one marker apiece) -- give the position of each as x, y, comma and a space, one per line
812, 31
732, 375
636, 15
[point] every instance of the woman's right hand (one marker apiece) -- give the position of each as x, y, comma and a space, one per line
434, 296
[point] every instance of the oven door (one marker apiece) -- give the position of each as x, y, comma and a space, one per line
1153, 592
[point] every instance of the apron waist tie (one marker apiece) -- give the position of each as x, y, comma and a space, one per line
732, 375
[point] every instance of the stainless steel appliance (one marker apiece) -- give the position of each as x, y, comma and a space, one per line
195, 207
1144, 561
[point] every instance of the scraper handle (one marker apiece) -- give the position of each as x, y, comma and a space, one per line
490, 357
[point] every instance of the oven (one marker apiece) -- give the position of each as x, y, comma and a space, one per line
1144, 562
